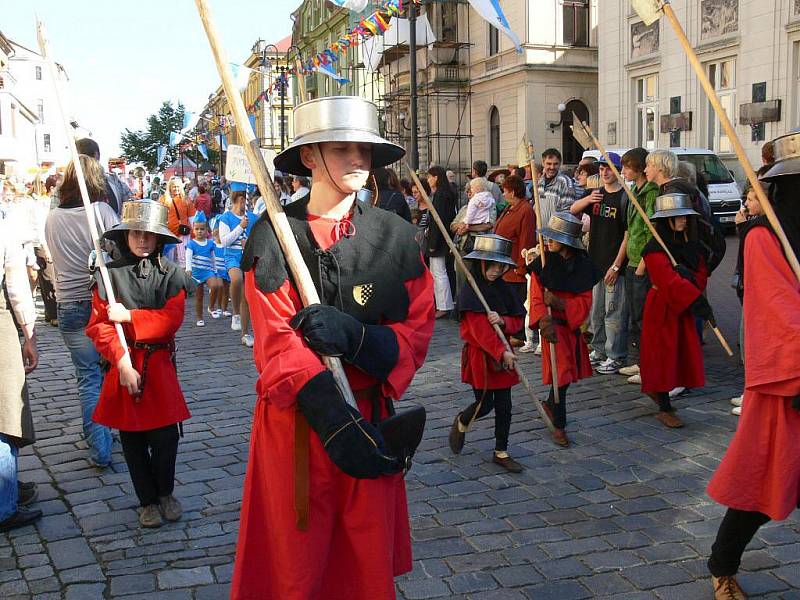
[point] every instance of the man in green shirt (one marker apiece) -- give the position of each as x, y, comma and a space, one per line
637, 283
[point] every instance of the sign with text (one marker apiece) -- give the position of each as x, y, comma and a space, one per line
238, 169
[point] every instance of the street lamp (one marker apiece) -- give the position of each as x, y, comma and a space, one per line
266, 63
561, 110
284, 69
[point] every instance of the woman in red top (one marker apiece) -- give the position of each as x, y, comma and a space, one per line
565, 285
671, 355
202, 201
141, 395
485, 363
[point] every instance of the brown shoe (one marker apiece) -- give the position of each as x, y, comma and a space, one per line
669, 419
456, 438
560, 437
171, 508
508, 463
727, 588
150, 517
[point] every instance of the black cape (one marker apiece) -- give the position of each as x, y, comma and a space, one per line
498, 294
575, 274
687, 253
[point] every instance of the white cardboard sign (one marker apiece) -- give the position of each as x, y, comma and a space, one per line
237, 168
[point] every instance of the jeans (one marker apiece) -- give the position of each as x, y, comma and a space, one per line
8, 479
441, 283
610, 320
636, 288
72, 320
150, 456
500, 402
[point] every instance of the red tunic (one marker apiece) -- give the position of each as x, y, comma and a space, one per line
161, 402
481, 357
358, 536
761, 469
670, 355
572, 355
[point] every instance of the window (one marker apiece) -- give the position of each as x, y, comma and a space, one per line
38, 73
494, 40
722, 75
40, 109
646, 111
46, 142
494, 136
576, 22
449, 21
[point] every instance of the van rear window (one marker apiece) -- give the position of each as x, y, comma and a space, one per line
710, 166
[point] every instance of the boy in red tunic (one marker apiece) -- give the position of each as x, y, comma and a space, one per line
565, 285
324, 513
671, 355
759, 476
485, 363
141, 395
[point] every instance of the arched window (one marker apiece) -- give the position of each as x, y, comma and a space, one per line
494, 136
570, 149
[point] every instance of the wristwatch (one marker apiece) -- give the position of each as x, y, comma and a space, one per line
614, 268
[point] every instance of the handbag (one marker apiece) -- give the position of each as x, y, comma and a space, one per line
182, 229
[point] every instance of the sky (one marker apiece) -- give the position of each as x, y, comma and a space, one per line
125, 58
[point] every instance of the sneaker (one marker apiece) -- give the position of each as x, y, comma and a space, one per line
635, 379
737, 401
629, 371
736, 411
538, 350
170, 507
248, 340
201, 323
727, 588
226, 313
26, 493
236, 323
609, 367
669, 419
676, 391
526, 348
21, 518
216, 314
210, 311
149, 517
596, 358
508, 463
456, 438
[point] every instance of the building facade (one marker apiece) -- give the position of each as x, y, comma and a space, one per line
17, 120
650, 96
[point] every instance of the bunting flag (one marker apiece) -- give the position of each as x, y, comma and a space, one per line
354, 5
203, 150
241, 75
328, 70
492, 13
224, 143
190, 121
252, 119
173, 138
161, 153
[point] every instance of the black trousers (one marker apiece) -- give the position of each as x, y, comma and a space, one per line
736, 530
636, 289
500, 401
151, 458
663, 401
559, 410
46, 286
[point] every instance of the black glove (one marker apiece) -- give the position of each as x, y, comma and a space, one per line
701, 308
352, 443
684, 272
331, 332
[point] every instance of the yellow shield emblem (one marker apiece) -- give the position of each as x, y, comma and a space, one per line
362, 293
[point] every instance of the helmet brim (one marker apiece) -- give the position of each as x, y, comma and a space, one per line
559, 236
119, 231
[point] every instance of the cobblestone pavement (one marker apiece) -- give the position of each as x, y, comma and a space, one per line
621, 514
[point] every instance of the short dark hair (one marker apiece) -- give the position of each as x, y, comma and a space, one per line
88, 147
515, 184
520, 172
551, 152
591, 168
768, 153
480, 167
636, 159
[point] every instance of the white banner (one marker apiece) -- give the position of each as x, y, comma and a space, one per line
237, 168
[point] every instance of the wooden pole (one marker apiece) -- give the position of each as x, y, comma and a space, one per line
537, 206
87, 203
300, 274
473, 284
731, 133
723, 342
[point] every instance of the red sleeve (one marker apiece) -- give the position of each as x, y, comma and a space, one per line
577, 308
284, 362
102, 332
537, 306
527, 238
678, 292
151, 325
475, 330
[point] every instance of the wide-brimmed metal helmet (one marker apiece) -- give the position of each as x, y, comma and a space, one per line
787, 157
143, 215
491, 247
673, 205
336, 119
565, 228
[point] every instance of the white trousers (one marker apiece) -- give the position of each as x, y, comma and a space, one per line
441, 284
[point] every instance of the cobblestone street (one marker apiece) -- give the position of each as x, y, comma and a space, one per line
622, 513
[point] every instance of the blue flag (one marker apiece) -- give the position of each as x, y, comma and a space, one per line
203, 149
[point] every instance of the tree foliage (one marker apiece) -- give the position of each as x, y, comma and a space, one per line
142, 146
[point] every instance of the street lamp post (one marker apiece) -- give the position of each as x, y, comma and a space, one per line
412, 67
284, 69
264, 63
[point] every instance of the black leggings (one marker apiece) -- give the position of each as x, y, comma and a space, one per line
559, 410
151, 458
736, 530
500, 401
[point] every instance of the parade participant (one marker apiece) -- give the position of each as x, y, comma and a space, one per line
486, 365
234, 229
201, 264
671, 355
565, 285
218, 299
141, 394
179, 209
759, 476
324, 513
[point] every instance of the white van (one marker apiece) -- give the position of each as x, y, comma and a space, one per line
723, 191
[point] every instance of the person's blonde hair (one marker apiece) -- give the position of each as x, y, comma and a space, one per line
479, 184
179, 182
688, 171
94, 176
665, 161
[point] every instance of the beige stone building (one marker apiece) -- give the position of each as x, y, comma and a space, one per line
649, 94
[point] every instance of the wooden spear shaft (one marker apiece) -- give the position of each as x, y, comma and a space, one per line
302, 278
731, 133
474, 285
644, 216
537, 206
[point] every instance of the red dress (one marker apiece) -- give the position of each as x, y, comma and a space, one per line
761, 469
670, 355
483, 351
161, 402
358, 537
572, 355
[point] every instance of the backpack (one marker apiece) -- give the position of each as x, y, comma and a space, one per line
217, 200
